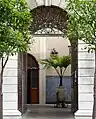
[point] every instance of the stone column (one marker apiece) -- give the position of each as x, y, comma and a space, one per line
10, 87
42, 72
86, 66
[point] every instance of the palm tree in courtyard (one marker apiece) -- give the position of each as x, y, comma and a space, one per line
58, 63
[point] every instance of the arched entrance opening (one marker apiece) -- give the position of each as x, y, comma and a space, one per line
51, 21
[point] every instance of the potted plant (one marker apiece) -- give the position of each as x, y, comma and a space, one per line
60, 64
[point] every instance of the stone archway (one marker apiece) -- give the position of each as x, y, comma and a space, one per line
83, 72
12, 86
52, 21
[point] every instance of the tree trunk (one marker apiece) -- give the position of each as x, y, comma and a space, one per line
3, 64
94, 105
61, 84
1, 98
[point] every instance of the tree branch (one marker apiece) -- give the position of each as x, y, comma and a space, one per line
4, 64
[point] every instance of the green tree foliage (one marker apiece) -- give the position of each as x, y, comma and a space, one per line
82, 26
59, 63
15, 19
82, 21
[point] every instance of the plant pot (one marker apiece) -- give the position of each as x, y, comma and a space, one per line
61, 93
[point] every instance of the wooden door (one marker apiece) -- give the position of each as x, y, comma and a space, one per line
33, 81
34, 90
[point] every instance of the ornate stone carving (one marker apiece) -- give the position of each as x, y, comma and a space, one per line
49, 20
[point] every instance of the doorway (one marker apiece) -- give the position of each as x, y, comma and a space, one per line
32, 80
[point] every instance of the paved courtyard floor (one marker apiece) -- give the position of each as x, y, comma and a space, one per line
48, 112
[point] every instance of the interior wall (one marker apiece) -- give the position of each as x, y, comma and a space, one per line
59, 43
41, 50
61, 46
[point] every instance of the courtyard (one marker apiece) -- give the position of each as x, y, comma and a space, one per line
28, 90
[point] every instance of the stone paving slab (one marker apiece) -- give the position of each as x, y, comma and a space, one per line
38, 117
45, 113
11, 117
